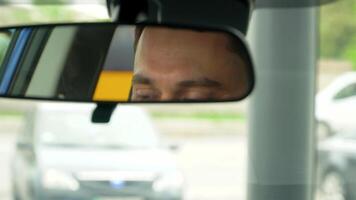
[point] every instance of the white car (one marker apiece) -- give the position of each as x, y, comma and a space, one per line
336, 106
61, 154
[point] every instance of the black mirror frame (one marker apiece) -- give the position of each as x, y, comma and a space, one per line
226, 29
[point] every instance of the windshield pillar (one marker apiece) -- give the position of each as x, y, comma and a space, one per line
281, 109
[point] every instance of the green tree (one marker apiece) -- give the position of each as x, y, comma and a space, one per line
4, 43
338, 31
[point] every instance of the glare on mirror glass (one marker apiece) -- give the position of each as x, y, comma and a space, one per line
125, 63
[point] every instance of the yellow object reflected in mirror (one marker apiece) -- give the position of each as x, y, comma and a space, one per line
106, 89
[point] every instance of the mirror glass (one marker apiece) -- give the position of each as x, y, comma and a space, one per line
123, 63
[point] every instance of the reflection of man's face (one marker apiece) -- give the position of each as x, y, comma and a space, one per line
178, 65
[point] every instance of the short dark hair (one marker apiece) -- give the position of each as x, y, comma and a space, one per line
138, 33
236, 44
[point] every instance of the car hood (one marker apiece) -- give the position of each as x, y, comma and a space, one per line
85, 160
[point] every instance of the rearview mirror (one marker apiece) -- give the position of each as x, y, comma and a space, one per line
107, 62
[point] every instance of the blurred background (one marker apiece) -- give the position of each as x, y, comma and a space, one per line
208, 142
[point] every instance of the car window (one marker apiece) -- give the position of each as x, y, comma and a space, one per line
334, 112
5, 39
22, 12
350, 135
348, 91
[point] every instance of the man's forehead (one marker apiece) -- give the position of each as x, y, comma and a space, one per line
179, 46
180, 37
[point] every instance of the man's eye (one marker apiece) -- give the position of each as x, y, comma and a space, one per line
144, 95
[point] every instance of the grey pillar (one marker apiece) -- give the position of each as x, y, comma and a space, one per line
281, 139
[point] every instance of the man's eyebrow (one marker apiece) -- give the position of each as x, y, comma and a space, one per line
202, 82
140, 79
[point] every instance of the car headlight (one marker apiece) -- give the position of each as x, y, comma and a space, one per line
169, 182
59, 180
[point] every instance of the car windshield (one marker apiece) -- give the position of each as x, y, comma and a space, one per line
74, 128
217, 148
